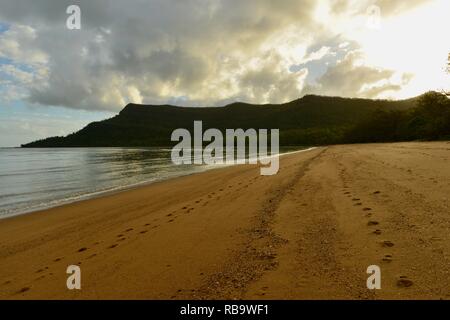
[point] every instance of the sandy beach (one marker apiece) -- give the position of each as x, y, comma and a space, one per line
309, 232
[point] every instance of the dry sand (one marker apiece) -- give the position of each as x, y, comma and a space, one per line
309, 232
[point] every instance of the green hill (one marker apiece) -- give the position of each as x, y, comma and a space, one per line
311, 120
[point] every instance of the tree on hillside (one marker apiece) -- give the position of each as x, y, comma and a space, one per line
448, 63
448, 71
434, 109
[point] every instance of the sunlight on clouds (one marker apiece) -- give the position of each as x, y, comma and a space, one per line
411, 43
209, 53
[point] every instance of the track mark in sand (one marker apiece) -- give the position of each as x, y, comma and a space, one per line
112, 246
356, 199
146, 225
122, 239
169, 215
57, 259
120, 235
92, 256
40, 270
358, 204
404, 282
367, 209
6, 282
129, 229
82, 249
143, 231
373, 223
376, 192
259, 253
387, 258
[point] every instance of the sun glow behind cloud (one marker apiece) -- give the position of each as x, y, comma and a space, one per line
411, 43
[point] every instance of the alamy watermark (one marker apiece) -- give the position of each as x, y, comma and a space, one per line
373, 17
74, 280
73, 21
250, 146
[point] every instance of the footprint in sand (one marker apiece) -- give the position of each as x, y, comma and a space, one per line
387, 243
57, 259
358, 204
92, 255
23, 290
146, 225
112, 246
367, 209
169, 215
377, 192
82, 249
119, 235
387, 258
404, 282
171, 220
128, 230
143, 231
373, 223
356, 199
377, 232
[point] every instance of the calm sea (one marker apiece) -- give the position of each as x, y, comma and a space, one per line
34, 179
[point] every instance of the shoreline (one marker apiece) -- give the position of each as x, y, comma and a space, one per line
308, 232
115, 190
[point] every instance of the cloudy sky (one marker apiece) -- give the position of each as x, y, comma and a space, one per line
54, 80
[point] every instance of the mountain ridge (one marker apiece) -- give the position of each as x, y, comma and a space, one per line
309, 120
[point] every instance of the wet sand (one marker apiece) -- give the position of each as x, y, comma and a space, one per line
309, 232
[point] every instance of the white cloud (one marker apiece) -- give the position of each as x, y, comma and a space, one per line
195, 51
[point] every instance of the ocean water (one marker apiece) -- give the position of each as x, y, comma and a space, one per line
34, 179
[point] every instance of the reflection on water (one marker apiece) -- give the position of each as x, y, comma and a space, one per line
32, 179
